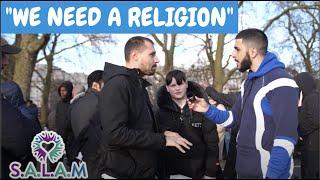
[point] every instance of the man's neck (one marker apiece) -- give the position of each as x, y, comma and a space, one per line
130, 65
134, 66
180, 102
256, 63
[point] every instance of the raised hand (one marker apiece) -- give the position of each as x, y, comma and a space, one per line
199, 105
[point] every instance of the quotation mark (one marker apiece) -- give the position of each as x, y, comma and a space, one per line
230, 10
9, 10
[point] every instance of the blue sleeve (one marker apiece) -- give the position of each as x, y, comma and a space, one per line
224, 118
284, 104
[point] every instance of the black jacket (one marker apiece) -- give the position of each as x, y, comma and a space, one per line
309, 112
82, 109
62, 111
129, 138
84, 139
201, 159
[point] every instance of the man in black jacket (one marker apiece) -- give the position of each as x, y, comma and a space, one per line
82, 109
130, 138
309, 120
175, 115
84, 112
62, 109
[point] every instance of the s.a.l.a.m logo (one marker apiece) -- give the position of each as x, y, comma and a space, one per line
48, 145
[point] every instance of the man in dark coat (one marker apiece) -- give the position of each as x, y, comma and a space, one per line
82, 109
17, 131
62, 109
130, 138
309, 119
84, 112
175, 115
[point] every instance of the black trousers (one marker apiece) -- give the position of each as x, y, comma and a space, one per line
310, 164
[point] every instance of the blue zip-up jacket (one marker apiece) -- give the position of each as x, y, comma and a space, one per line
267, 110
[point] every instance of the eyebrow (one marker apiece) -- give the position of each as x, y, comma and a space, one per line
153, 53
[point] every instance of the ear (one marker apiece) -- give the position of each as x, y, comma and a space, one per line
167, 88
253, 52
134, 55
95, 86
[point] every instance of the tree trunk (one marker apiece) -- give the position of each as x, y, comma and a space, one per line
25, 61
218, 70
46, 90
168, 51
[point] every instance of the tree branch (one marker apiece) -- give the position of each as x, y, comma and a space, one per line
67, 48
228, 76
285, 11
155, 37
40, 76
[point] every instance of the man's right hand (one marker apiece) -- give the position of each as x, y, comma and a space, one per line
175, 140
199, 105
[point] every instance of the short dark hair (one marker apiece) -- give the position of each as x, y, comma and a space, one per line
135, 43
95, 76
256, 37
178, 75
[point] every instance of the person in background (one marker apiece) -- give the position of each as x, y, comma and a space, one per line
78, 91
227, 100
85, 123
309, 120
62, 109
17, 131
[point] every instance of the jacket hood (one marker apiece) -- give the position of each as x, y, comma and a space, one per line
12, 92
30, 112
306, 83
269, 63
76, 97
111, 70
68, 85
164, 99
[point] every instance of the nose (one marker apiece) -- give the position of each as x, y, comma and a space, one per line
234, 52
156, 60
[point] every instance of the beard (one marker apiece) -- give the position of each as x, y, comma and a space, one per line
151, 71
245, 63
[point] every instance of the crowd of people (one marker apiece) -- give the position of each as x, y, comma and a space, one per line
119, 133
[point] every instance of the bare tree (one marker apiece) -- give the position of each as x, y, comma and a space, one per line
25, 61
168, 46
49, 57
301, 21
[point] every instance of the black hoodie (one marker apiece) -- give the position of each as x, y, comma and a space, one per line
129, 138
201, 159
62, 111
309, 113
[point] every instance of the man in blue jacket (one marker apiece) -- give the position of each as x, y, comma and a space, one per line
267, 111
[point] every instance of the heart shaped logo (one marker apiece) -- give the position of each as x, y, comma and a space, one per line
48, 146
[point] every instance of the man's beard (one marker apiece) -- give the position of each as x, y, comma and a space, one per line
245, 63
151, 71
